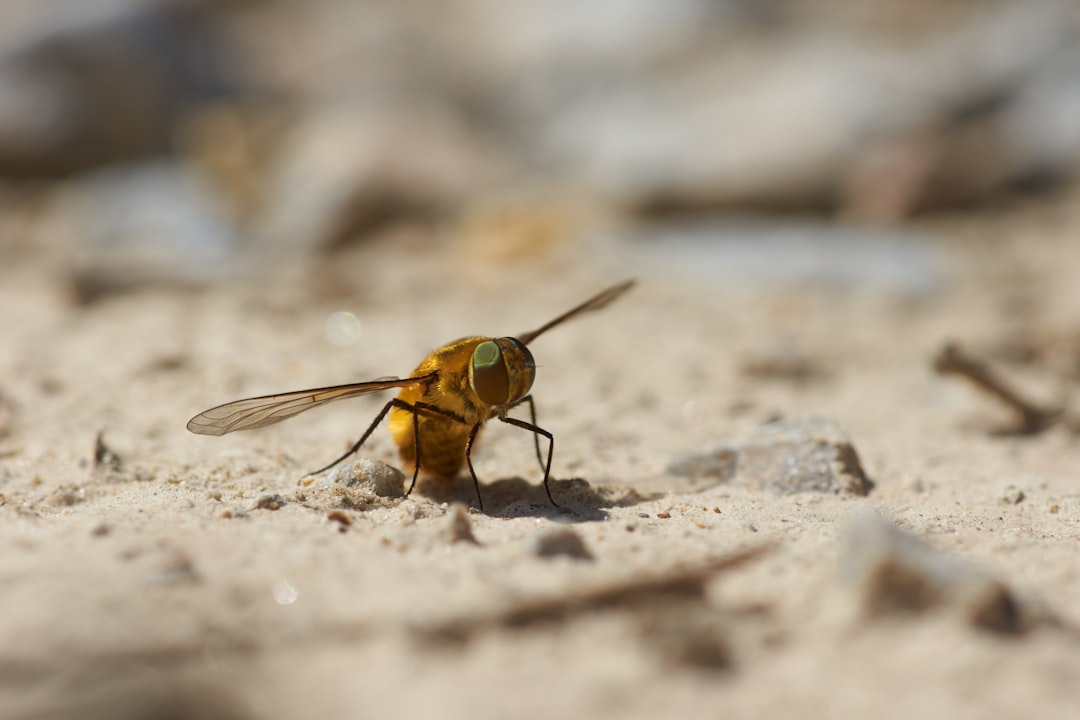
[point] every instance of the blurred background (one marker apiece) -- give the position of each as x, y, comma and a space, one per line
192, 141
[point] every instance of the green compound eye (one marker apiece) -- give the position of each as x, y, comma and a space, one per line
486, 354
490, 379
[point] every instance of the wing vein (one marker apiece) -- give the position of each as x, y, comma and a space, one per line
264, 410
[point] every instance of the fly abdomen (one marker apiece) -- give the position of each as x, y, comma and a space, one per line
442, 443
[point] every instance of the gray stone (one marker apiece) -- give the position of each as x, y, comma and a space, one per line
367, 473
895, 573
807, 454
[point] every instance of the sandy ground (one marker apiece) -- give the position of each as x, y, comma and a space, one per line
160, 584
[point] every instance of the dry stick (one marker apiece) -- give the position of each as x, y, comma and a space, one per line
688, 583
1033, 418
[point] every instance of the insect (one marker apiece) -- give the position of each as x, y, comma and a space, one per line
436, 418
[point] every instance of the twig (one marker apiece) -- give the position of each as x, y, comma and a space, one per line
1033, 418
681, 584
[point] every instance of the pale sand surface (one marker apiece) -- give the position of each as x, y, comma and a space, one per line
120, 584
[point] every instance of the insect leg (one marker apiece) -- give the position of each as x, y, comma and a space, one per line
532, 415
468, 459
551, 449
356, 446
375, 423
432, 410
416, 448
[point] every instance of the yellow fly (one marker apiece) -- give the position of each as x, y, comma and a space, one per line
437, 416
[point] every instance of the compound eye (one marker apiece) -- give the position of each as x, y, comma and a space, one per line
490, 379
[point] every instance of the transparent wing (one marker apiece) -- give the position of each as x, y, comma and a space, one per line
266, 410
595, 303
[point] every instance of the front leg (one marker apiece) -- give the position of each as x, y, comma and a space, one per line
537, 431
468, 461
532, 416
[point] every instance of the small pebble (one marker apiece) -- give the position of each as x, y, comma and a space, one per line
459, 527
384, 480
68, 495
270, 502
560, 540
1013, 495
104, 456
688, 634
341, 517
